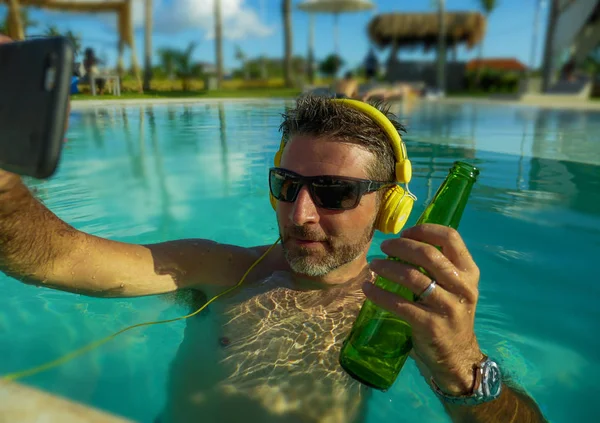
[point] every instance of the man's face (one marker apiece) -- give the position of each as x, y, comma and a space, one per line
315, 240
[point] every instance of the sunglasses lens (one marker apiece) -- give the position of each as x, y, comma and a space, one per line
335, 194
327, 192
284, 187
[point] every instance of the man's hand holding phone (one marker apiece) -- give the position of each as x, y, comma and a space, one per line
35, 81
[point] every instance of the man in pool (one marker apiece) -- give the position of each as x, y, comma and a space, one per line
280, 334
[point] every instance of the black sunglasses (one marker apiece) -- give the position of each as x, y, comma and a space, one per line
327, 192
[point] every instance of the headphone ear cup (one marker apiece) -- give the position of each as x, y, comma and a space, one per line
395, 210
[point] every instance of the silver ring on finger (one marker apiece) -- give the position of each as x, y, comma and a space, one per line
426, 292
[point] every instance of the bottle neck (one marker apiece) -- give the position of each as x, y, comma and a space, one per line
449, 202
464, 169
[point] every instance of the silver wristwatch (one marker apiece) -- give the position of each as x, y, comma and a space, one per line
488, 385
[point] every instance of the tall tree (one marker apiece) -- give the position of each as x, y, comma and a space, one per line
168, 57
241, 57
331, 65
218, 41
441, 51
488, 6
53, 31
26, 21
592, 63
75, 40
184, 67
286, 10
148, 45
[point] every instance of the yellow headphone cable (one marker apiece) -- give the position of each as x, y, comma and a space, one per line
18, 375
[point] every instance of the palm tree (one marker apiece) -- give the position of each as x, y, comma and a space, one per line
488, 7
239, 55
592, 63
168, 58
218, 41
184, 65
286, 11
26, 21
179, 63
53, 31
75, 40
441, 52
331, 65
148, 45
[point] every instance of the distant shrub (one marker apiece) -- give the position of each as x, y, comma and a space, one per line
492, 81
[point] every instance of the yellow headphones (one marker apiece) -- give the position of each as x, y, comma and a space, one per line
397, 202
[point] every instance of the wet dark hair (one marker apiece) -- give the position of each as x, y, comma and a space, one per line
319, 117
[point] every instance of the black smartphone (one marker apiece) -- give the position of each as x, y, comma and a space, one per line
35, 80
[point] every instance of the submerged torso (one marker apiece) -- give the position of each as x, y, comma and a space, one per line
268, 353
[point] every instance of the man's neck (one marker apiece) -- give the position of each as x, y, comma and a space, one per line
357, 271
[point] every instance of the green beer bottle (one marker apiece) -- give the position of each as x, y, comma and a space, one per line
379, 342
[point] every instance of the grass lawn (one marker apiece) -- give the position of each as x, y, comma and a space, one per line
164, 88
223, 93
477, 94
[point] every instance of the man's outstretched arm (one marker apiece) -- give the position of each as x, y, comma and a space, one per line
39, 248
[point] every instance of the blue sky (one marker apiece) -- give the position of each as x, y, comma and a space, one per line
255, 25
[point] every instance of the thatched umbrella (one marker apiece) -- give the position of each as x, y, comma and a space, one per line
428, 30
414, 30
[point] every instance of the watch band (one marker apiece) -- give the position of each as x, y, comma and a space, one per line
486, 387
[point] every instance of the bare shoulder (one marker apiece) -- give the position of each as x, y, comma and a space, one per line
195, 263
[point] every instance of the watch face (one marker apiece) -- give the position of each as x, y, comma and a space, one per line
492, 381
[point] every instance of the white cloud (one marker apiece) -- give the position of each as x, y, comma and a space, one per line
171, 17
239, 20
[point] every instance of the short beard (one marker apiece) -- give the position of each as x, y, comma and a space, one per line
302, 262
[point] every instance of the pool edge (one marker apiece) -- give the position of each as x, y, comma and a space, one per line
24, 404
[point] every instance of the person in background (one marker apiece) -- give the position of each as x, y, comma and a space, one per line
371, 65
347, 87
90, 65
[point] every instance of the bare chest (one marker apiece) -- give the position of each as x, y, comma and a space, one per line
274, 354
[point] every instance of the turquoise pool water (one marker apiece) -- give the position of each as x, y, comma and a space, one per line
147, 174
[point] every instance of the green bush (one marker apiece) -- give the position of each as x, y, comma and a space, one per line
492, 81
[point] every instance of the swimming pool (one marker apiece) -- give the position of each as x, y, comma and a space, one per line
150, 173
